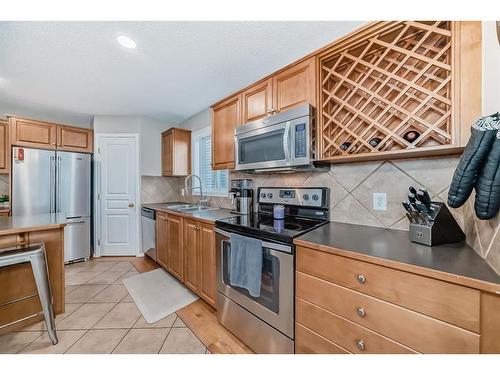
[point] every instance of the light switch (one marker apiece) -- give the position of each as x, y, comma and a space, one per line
380, 201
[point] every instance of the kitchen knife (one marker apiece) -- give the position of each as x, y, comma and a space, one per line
423, 218
423, 197
410, 218
412, 214
422, 207
412, 199
407, 206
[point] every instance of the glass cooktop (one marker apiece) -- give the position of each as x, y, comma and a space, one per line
262, 225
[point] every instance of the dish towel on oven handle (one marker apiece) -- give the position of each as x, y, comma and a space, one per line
245, 265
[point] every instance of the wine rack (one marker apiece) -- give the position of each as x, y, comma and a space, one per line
390, 91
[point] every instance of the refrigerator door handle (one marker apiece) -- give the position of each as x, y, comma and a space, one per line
58, 188
75, 221
52, 183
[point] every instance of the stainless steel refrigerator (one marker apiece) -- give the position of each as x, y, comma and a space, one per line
45, 181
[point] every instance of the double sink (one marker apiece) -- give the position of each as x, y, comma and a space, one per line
188, 208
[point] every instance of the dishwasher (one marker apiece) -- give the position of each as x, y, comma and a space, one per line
148, 226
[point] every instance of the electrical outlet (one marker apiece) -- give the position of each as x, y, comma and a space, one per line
380, 201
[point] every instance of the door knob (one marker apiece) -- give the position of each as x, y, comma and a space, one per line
131, 205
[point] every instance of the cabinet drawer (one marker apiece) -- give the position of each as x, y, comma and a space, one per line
445, 301
19, 310
348, 335
309, 342
420, 332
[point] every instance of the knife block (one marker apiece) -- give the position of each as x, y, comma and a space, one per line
442, 228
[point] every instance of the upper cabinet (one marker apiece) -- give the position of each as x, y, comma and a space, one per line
75, 139
295, 86
292, 87
4, 147
32, 133
40, 134
176, 152
225, 117
257, 101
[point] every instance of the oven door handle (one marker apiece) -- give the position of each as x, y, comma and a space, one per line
269, 245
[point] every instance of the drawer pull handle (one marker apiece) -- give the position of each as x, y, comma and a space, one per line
361, 345
361, 278
361, 312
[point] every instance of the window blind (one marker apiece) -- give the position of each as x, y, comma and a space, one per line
213, 181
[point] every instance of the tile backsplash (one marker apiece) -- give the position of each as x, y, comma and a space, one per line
351, 193
4, 184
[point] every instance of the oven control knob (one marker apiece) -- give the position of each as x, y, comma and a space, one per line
306, 197
263, 195
315, 197
269, 195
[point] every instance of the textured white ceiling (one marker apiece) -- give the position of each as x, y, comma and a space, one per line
178, 68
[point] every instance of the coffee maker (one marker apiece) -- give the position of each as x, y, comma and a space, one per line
241, 196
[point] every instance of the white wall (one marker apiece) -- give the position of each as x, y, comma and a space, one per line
149, 131
491, 69
198, 121
73, 119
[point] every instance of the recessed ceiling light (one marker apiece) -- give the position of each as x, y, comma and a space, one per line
126, 42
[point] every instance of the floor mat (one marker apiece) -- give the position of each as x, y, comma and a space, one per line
158, 294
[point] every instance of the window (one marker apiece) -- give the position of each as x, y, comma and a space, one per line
214, 183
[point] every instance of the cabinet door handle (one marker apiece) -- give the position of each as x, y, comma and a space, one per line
361, 278
361, 345
131, 205
361, 312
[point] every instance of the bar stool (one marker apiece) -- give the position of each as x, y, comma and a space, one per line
35, 254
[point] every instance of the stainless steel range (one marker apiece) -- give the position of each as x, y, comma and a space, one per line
265, 322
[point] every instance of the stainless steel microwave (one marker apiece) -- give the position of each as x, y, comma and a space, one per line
282, 142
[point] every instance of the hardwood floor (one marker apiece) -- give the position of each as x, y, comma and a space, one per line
201, 319
198, 316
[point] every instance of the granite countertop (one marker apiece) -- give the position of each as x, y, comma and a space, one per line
456, 262
209, 216
30, 223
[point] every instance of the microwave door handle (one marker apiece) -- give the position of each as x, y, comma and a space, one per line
286, 141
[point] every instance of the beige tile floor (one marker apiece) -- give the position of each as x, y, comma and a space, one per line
101, 317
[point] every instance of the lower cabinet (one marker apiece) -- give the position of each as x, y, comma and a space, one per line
186, 248
192, 252
175, 262
161, 240
349, 305
199, 252
208, 288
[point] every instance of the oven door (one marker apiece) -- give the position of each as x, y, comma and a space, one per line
264, 147
275, 303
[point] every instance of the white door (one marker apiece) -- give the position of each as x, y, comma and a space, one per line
119, 176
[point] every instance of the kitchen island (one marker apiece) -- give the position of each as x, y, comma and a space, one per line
18, 293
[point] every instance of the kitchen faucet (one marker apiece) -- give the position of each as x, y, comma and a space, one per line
203, 201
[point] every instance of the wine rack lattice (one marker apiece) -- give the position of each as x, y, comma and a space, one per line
383, 86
